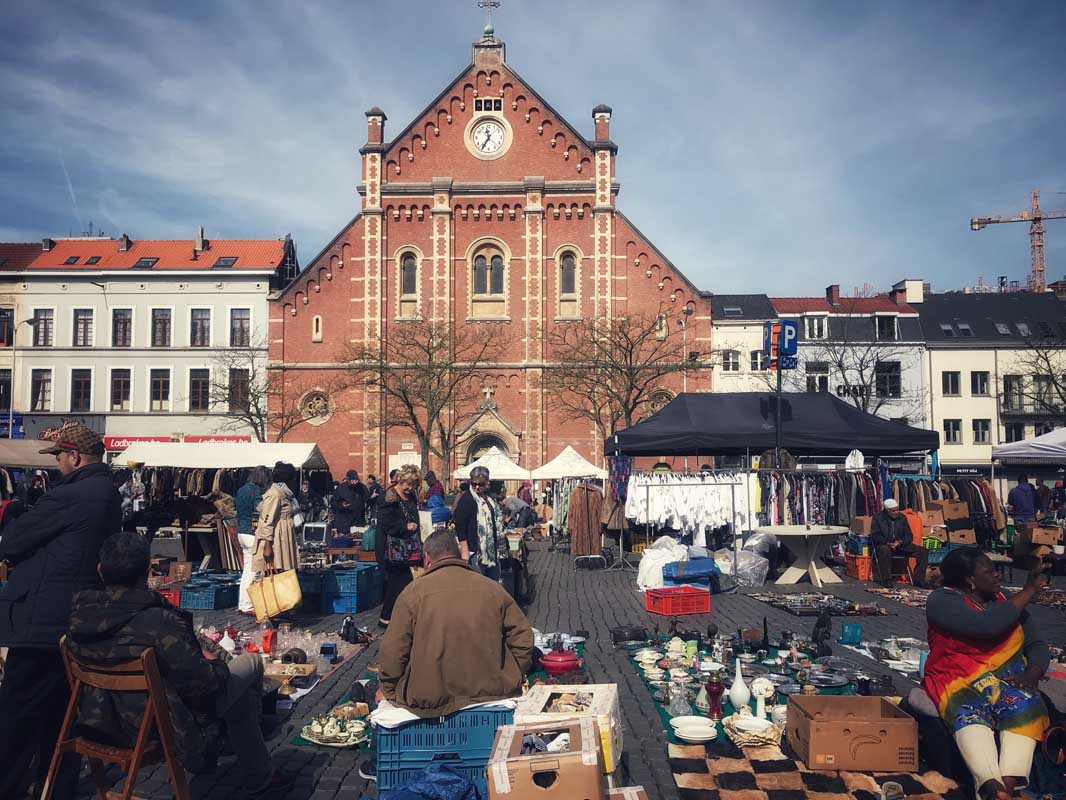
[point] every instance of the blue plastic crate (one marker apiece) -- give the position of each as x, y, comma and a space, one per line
936, 556
211, 596
352, 579
858, 545
462, 740
350, 602
310, 582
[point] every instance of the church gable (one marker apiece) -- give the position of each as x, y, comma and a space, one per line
517, 132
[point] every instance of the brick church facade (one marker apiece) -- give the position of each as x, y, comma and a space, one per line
488, 209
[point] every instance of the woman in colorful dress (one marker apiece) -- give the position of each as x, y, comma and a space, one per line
986, 656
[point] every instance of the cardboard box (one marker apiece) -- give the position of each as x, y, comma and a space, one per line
605, 710
952, 509
179, 571
628, 793
938, 532
861, 525
573, 774
864, 734
963, 536
1046, 536
931, 519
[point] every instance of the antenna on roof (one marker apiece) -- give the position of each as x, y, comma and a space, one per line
488, 5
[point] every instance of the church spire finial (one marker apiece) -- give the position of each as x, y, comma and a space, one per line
488, 5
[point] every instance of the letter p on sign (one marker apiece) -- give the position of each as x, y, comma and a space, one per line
789, 337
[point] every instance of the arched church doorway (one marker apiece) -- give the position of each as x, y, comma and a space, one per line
482, 444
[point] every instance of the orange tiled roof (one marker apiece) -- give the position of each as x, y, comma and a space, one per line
18, 255
172, 254
847, 305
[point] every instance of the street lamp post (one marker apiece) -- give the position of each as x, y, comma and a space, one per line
14, 370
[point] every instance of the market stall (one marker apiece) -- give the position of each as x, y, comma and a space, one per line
24, 454
224, 455
499, 464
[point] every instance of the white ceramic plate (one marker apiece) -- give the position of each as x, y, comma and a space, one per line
678, 722
678, 672
752, 724
711, 666
696, 736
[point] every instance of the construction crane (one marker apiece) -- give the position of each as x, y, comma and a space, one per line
1035, 217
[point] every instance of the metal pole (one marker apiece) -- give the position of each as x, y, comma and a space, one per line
14, 369
777, 412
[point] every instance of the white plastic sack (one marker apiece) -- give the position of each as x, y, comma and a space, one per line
664, 550
751, 569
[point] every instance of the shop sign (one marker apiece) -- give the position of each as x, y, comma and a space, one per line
120, 443
215, 437
844, 390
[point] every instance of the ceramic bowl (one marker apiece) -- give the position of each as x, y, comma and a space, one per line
679, 672
654, 674
678, 722
752, 724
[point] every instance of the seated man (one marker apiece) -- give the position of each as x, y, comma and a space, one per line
456, 638
890, 535
118, 623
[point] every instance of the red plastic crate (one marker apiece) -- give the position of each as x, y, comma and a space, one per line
677, 600
858, 567
172, 593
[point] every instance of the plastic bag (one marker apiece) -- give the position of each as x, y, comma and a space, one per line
664, 550
762, 544
751, 569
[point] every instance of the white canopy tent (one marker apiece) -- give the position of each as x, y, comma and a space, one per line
222, 455
568, 464
23, 453
499, 464
1047, 449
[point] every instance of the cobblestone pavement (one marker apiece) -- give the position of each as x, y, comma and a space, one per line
564, 600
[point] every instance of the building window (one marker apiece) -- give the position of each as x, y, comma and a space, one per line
240, 327
1003, 328
1040, 428
43, 327
7, 326
159, 390
759, 361
979, 384
886, 329
1023, 329
120, 390
816, 327
122, 327
947, 330
1014, 431
409, 275
658, 399
730, 361
161, 327
83, 327
1013, 392
238, 390
817, 376
965, 331
1042, 392
950, 384
953, 431
488, 273
568, 274
93, 260
41, 390
199, 389
981, 429
660, 327
887, 379
200, 327
316, 328
81, 390
5, 391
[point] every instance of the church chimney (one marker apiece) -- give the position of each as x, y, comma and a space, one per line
375, 126
601, 115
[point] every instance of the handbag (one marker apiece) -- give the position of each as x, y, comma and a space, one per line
405, 551
275, 593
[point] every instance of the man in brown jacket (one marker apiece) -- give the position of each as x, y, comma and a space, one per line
455, 638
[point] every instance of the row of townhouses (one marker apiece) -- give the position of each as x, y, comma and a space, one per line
980, 368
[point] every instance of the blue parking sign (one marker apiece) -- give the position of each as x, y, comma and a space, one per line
789, 337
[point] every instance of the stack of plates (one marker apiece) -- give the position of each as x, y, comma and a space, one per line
694, 729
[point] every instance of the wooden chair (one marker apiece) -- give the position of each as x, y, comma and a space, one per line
138, 675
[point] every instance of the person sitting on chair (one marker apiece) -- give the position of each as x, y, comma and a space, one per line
890, 535
117, 623
986, 656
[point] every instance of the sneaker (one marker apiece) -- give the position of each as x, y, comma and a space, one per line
278, 786
368, 769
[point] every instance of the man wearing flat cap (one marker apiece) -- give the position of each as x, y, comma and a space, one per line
890, 535
54, 549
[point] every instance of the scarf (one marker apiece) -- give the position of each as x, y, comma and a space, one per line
487, 514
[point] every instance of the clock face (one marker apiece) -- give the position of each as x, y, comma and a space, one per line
487, 136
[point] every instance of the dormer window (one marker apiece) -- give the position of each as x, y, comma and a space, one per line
965, 331
93, 260
71, 260
733, 311
817, 327
887, 330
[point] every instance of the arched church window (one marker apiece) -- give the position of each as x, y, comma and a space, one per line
488, 282
567, 274
408, 275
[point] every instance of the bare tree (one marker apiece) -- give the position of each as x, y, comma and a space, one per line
429, 376
1037, 385
253, 397
607, 370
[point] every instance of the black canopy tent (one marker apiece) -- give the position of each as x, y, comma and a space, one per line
735, 423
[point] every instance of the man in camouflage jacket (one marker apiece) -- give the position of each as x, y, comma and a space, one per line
117, 623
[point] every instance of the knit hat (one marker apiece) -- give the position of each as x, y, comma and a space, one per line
76, 438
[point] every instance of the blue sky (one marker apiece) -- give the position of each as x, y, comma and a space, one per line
772, 147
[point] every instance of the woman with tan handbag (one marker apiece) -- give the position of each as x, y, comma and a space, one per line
398, 543
275, 534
